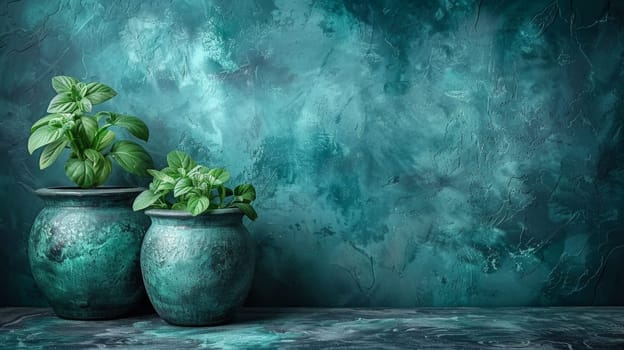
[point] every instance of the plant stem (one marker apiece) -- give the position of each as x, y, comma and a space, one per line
73, 144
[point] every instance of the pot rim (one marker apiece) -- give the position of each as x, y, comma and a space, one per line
170, 213
102, 191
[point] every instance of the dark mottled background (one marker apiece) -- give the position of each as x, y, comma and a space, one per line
435, 153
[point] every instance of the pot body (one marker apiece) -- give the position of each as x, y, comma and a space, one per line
84, 252
197, 270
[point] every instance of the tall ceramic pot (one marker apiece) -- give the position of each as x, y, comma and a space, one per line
84, 251
197, 270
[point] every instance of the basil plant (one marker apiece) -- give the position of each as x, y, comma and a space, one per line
88, 137
185, 185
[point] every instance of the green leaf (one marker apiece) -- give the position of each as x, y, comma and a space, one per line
245, 193
98, 93
218, 176
177, 159
202, 185
154, 185
104, 170
80, 89
62, 103
51, 152
88, 129
102, 166
179, 206
94, 156
105, 137
170, 171
101, 114
199, 169
85, 105
247, 209
161, 176
43, 136
44, 121
63, 83
198, 204
133, 124
131, 157
144, 200
164, 187
182, 187
81, 172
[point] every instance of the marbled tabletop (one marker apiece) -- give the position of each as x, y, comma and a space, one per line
320, 328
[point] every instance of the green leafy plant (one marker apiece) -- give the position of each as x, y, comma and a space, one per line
91, 145
185, 185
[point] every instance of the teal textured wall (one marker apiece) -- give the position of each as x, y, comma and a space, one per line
439, 152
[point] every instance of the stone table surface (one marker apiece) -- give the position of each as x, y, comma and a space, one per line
320, 328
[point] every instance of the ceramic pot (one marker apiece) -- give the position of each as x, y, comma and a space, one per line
197, 270
84, 251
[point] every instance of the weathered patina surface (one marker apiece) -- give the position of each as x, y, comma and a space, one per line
84, 252
404, 152
318, 328
197, 269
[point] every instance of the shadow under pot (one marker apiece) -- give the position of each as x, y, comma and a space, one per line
197, 269
84, 252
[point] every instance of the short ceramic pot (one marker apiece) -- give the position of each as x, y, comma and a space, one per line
84, 252
197, 270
